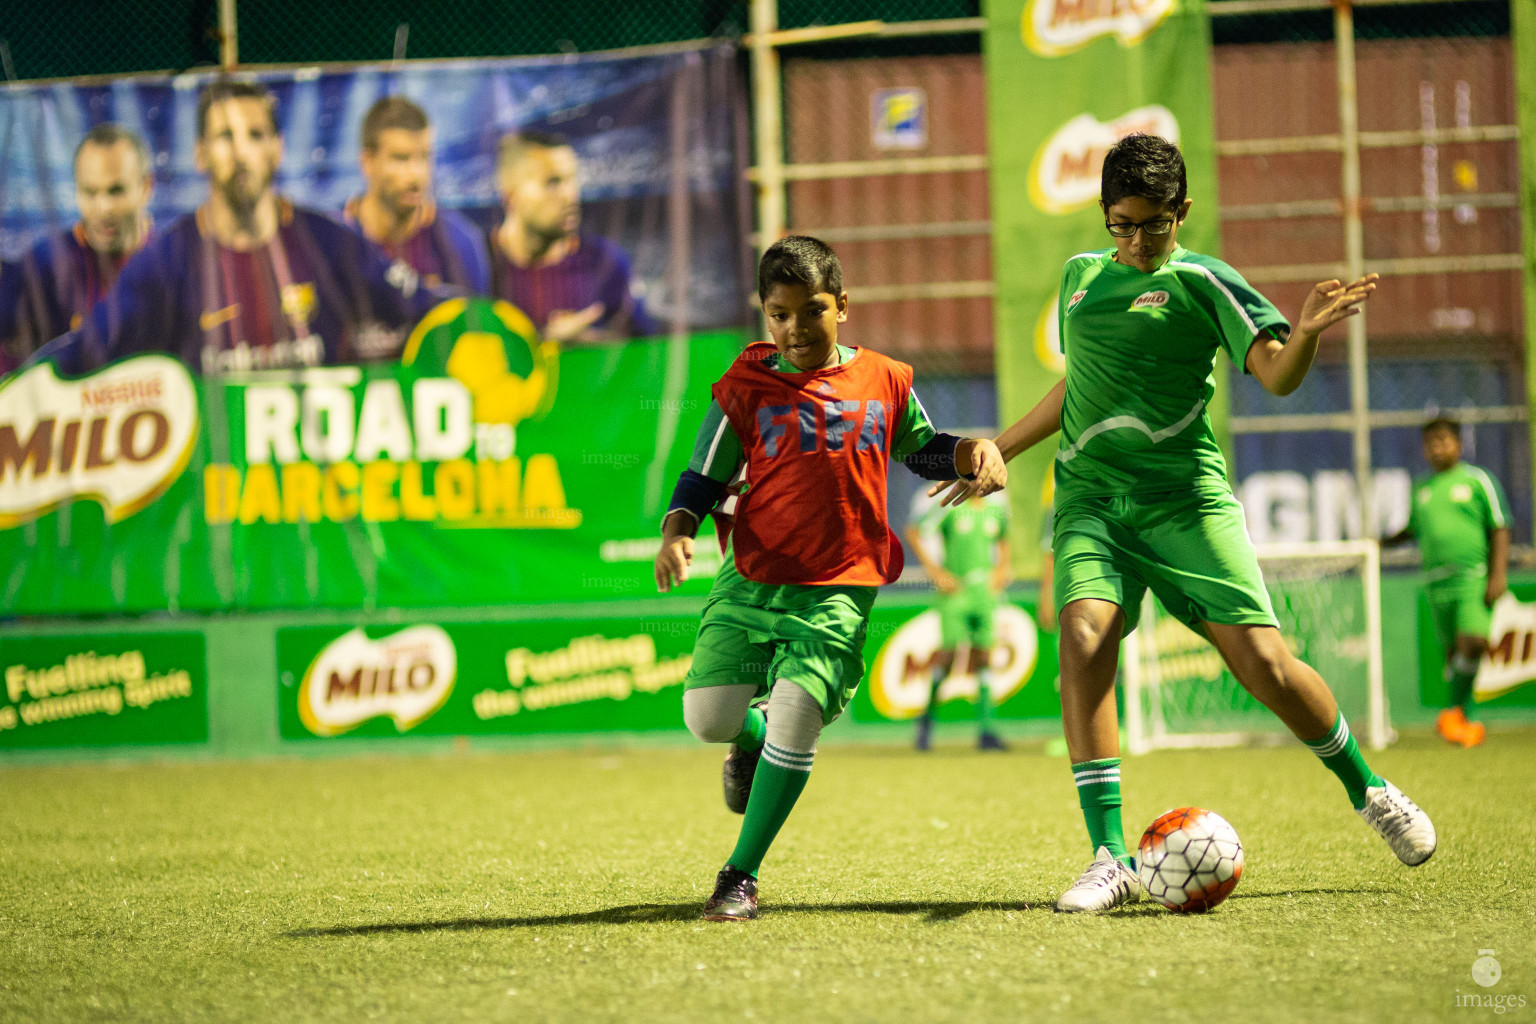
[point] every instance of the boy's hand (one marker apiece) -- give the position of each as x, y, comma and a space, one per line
672, 562
1332, 301
986, 465
945, 582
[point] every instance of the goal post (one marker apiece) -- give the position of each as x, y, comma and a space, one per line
1327, 598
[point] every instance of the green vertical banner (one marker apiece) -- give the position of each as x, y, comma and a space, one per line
1523, 27
1065, 80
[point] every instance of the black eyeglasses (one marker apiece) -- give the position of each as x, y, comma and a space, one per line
1125, 229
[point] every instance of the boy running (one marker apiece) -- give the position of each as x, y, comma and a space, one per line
1461, 520
1142, 499
970, 582
810, 424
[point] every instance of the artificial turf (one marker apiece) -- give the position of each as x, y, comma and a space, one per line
905, 887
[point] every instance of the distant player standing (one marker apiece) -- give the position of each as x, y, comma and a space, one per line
1461, 520
813, 425
65, 274
970, 581
1142, 499
397, 212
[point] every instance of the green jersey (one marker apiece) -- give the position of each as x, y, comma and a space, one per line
1140, 351
970, 532
1453, 512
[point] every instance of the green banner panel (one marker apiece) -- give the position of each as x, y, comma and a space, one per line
476, 679
486, 467
900, 654
127, 689
1523, 28
1065, 80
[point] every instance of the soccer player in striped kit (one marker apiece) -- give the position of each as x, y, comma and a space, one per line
812, 424
65, 274
574, 285
397, 212
1142, 499
249, 281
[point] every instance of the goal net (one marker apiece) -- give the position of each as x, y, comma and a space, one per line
1327, 597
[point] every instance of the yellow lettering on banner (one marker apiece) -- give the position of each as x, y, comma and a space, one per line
542, 488
454, 485
338, 491
301, 492
221, 493
379, 502
499, 486
413, 502
259, 500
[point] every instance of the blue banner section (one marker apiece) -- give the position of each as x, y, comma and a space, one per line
648, 133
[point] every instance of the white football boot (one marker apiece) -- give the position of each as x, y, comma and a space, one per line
1105, 885
1406, 829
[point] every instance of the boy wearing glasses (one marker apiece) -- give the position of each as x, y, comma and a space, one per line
1142, 499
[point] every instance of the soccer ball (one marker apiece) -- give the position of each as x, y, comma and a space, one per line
1190, 859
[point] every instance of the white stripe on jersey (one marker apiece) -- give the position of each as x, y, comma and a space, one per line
1252, 330
1070, 452
1493, 496
709, 457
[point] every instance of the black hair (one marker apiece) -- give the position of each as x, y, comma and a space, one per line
1443, 423
391, 112
1144, 167
231, 89
110, 134
803, 260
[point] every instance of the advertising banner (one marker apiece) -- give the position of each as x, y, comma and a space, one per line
485, 467
1508, 668
902, 652
477, 679
129, 689
1065, 80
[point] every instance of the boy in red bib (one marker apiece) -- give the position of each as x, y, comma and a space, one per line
808, 426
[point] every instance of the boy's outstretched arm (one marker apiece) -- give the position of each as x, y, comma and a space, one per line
1033, 427
1281, 366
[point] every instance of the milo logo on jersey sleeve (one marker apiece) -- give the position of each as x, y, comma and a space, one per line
1064, 174
1054, 28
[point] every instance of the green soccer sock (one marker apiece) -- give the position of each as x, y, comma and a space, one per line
1463, 672
753, 728
780, 777
1098, 793
1339, 751
984, 700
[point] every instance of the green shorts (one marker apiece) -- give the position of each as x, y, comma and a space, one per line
965, 617
759, 632
1191, 548
1456, 608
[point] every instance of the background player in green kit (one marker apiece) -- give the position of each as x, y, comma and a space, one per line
1142, 499
1461, 520
810, 425
970, 581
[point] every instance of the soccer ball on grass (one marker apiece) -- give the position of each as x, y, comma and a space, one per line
1190, 859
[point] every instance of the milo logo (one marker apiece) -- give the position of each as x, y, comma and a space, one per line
120, 436
406, 677
1064, 174
1150, 300
1053, 28
902, 671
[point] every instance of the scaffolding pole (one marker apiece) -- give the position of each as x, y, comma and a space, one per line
1354, 259
768, 143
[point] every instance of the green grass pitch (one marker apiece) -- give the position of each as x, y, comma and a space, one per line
567, 886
